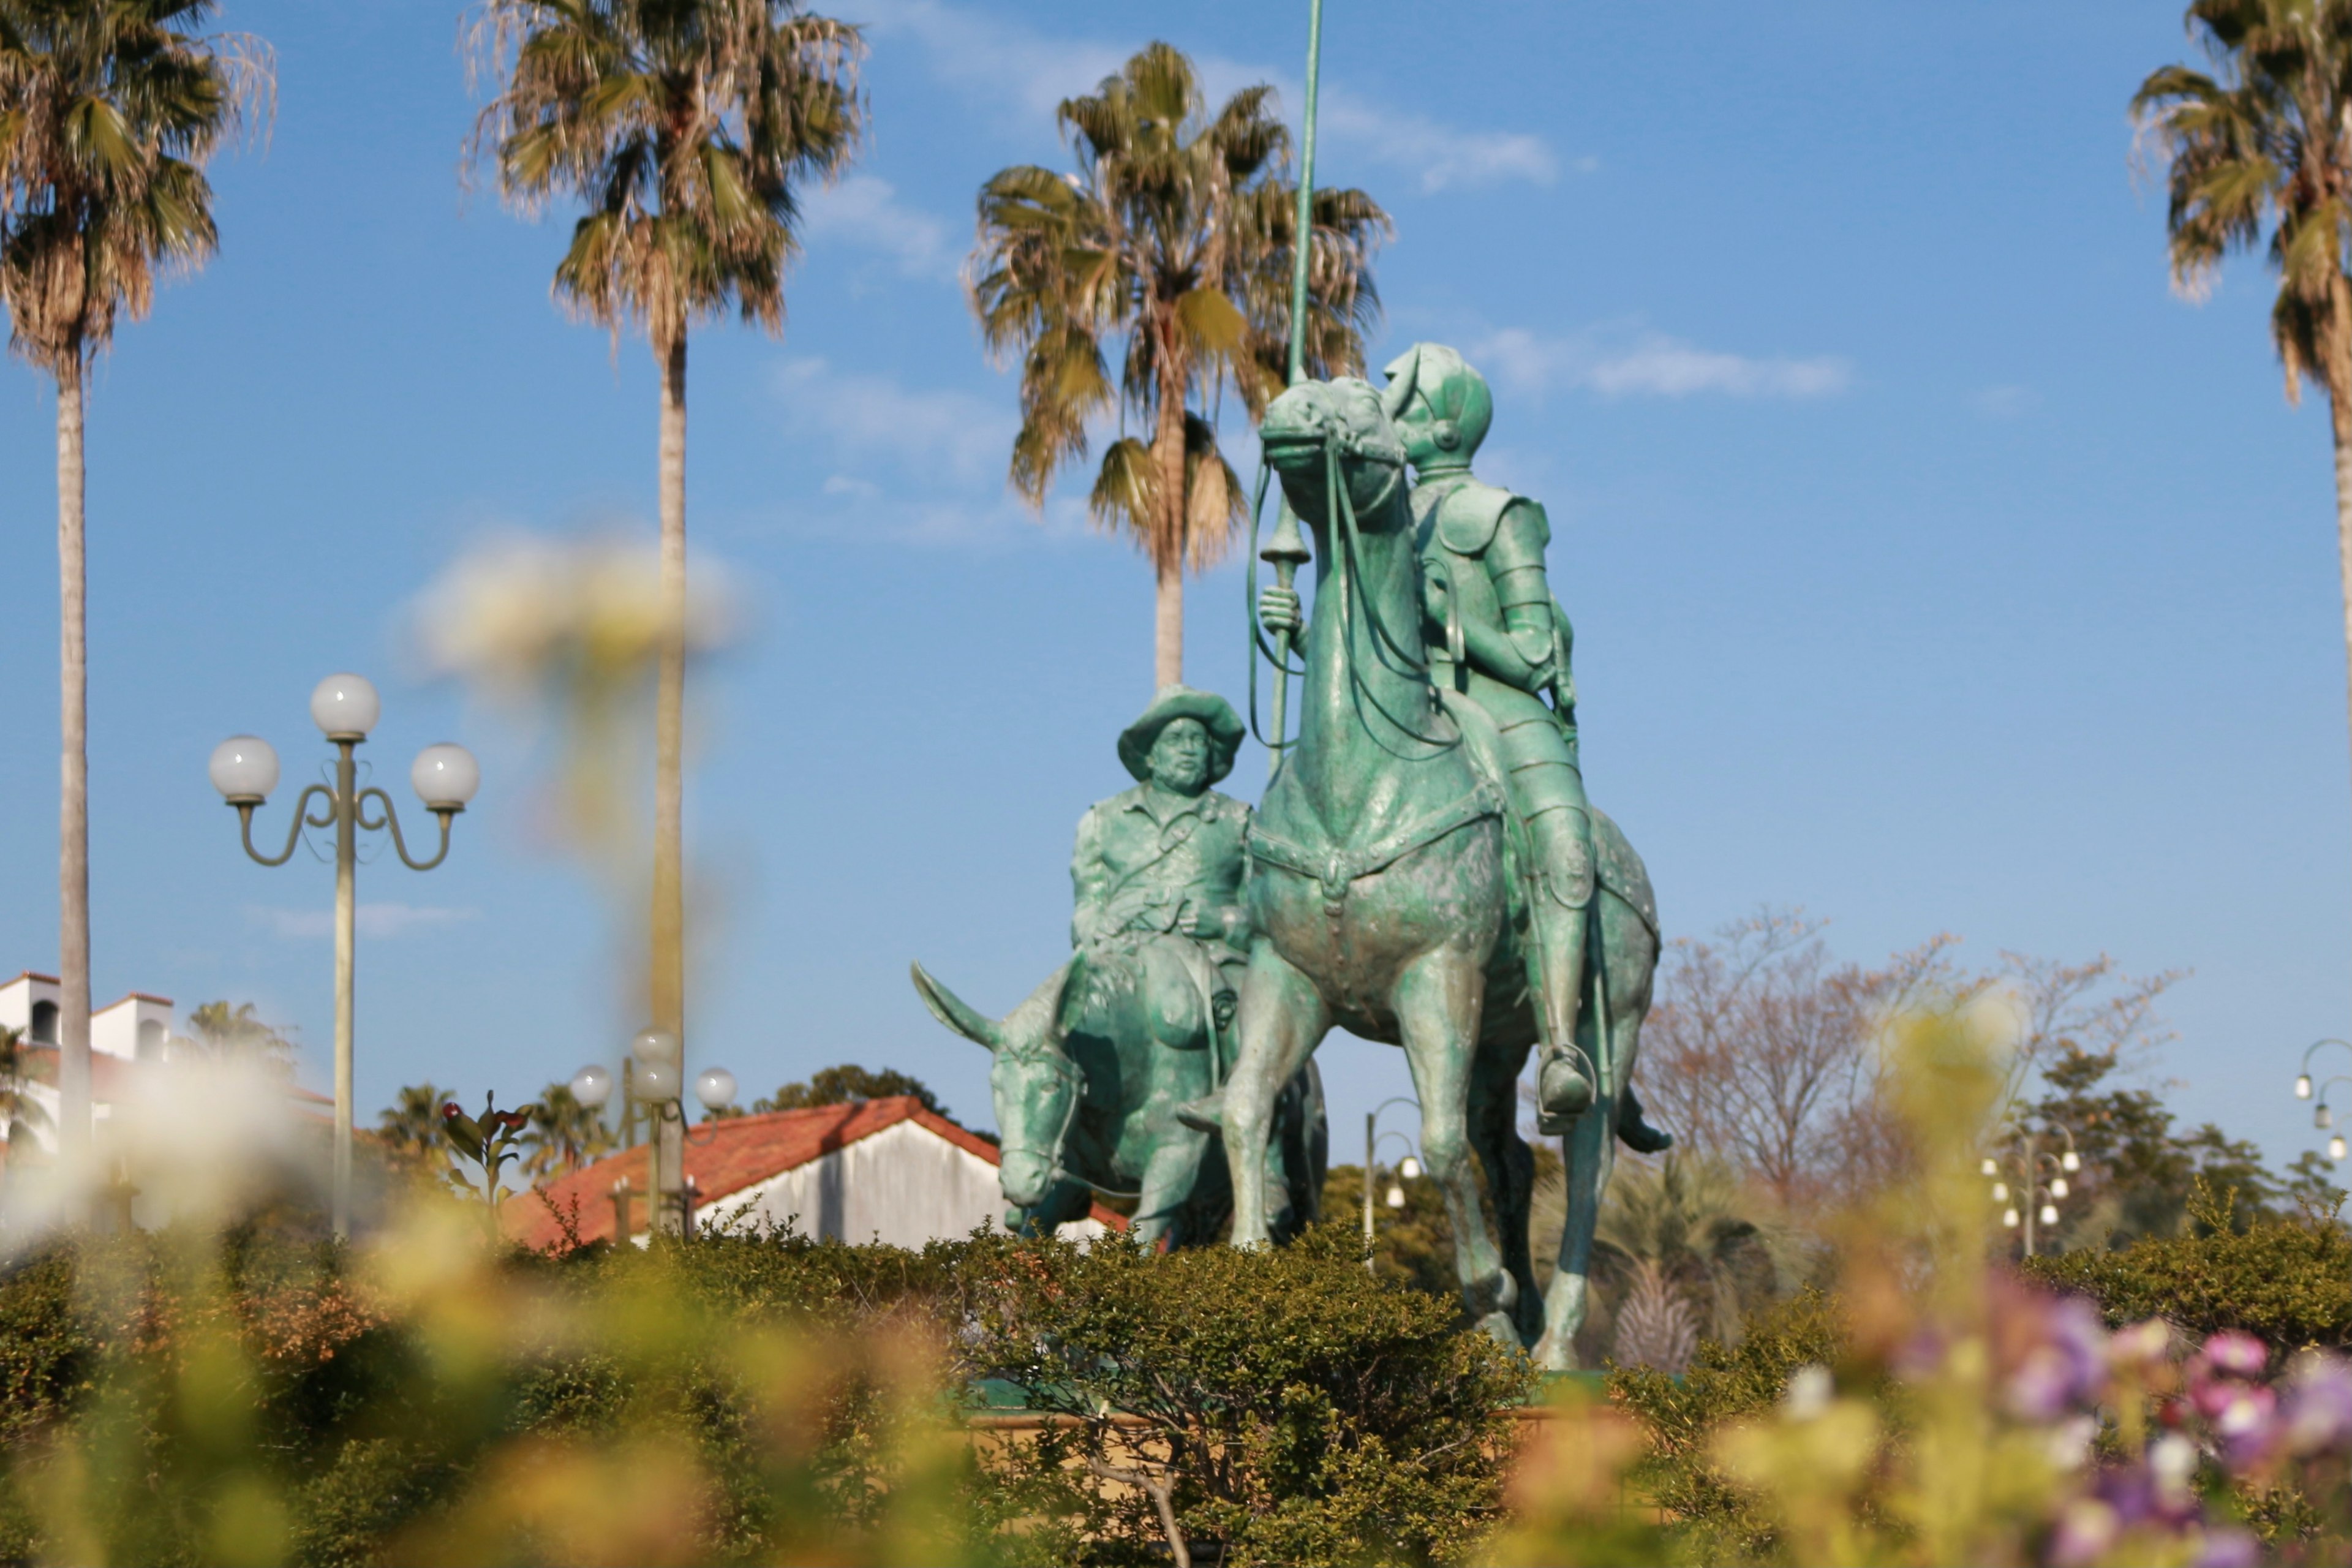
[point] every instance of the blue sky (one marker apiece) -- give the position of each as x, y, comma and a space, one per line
1934, 567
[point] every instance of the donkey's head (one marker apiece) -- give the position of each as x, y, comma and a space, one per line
1318, 422
1033, 1084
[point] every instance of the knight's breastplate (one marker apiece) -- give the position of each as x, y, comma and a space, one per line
1453, 554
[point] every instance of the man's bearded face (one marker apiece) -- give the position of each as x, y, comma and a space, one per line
1180, 757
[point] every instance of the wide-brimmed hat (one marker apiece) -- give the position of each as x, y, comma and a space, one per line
1216, 716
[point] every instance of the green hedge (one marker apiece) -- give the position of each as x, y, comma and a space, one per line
279, 1400
2286, 1280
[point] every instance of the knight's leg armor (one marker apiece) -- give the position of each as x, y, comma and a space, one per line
1549, 791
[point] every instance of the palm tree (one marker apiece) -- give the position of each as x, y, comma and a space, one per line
413, 1131
17, 1109
1176, 231
240, 1033
108, 115
1678, 1241
563, 1134
2263, 144
684, 125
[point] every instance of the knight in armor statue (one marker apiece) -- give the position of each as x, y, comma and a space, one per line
1498, 638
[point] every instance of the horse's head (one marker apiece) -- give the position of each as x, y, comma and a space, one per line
1315, 421
1035, 1085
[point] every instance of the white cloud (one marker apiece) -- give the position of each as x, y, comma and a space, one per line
375, 922
864, 210
1025, 75
1652, 365
990, 57
935, 432
1434, 155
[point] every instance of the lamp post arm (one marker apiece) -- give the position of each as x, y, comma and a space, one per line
391, 819
294, 832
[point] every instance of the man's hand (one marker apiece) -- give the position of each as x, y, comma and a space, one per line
1277, 612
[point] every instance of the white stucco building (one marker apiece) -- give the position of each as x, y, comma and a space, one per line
881, 1170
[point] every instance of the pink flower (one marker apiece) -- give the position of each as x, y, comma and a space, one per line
2236, 1353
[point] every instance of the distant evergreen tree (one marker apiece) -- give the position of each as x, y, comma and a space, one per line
848, 1084
2139, 1173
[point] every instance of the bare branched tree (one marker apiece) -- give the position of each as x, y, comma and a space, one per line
1761, 1050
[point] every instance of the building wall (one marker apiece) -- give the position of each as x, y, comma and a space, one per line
905, 1186
134, 1028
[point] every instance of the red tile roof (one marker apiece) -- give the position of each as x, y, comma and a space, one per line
725, 1156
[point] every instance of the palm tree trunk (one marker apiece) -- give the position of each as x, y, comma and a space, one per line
73, 811
667, 990
1167, 549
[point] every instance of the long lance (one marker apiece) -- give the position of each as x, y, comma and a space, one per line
1287, 548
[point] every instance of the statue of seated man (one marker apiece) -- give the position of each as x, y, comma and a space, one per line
1165, 859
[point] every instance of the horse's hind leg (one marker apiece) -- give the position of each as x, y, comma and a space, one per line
1281, 1020
1437, 1003
1510, 1172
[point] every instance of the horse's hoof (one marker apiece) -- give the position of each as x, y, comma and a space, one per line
1504, 1331
1552, 1353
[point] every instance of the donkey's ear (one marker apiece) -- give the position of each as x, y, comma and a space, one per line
952, 1010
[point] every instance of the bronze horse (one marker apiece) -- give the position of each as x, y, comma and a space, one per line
1383, 891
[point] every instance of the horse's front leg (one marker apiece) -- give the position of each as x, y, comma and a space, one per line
1510, 1172
1590, 1149
1437, 1001
1281, 1020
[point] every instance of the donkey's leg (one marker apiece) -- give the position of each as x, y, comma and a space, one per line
1590, 1149
1510, 1170
1281, 1021
1168, 1195
1437, 1001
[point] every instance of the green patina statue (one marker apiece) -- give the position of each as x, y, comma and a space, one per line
1496, 635
1093, 1069
1424, 867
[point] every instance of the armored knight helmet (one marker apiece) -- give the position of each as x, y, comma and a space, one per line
1461, 406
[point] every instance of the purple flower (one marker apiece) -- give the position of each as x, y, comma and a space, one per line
2233, 1352
2317, 1412
2061, 1365
2230, 1549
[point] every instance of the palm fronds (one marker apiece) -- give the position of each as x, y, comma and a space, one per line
685, 127
1166, 251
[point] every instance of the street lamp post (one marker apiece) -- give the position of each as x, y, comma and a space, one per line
1408, 1168
650, 1090
244, 769
2040, 1174
2303, 1075
2324, 1118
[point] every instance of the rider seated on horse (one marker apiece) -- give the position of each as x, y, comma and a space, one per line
1497, 637
1162, 863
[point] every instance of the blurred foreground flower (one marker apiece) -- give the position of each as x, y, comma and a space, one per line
519, 612
1945, 1412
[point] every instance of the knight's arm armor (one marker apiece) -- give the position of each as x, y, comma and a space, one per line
1527, 646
